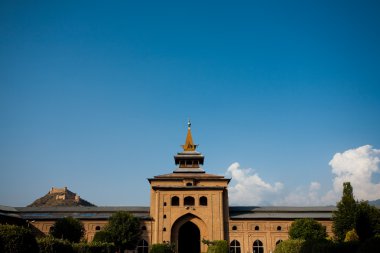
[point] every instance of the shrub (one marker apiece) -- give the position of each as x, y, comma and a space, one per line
94, 247
102, 247
162, 248
322, 246
218, 246
351, 236
50, 244
289, 246
371, 245
16, 239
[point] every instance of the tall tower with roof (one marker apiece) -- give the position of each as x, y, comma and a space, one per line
189, 205
189, 160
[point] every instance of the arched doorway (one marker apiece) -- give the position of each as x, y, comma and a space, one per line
197, 228
189, 238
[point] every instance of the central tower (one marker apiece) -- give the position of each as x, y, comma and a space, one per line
189, 160
189, 204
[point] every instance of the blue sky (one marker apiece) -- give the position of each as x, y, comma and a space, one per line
95, 96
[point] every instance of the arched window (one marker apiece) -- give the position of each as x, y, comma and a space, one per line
278, 228
258, 247
257, 228
189, 184
189, 201
97, 228
235, 246
203, 201
175, 201
234, 228
143, 247
278, 242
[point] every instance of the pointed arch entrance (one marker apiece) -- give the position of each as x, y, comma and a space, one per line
189, 238
187, 233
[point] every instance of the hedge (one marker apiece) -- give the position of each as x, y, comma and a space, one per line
218, 246
289, 246
17, 239
162, 248
94, 247
323, 246
50, 244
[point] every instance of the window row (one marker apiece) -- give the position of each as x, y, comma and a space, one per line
189, 201
257, 228
257, 247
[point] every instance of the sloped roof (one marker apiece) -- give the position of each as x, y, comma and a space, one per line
79, 212
8, 211
278, 212
188, 175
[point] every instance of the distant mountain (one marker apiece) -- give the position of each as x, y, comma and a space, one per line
60, 197
374, 202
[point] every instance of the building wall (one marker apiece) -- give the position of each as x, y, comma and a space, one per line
269, 232
244, 231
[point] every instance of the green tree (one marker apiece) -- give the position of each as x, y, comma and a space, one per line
367, 222
345, 215
102, 236
124, 230
68, 228
307, 229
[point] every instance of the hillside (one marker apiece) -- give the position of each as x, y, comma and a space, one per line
375, 202
60, 197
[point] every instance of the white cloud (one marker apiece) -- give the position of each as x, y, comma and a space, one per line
303, 196
357, 166
314, 186
248, 188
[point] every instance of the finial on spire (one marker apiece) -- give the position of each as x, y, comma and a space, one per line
189, 145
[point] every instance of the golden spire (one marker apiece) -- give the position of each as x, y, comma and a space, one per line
189, 145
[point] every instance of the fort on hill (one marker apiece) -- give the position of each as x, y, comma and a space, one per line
60, 197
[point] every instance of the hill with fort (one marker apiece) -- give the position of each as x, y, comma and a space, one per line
60, 197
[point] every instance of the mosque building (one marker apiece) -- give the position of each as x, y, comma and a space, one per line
186, 206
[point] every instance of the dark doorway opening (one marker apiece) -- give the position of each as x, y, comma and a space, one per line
189, 238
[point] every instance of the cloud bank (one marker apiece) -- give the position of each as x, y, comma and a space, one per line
358, 166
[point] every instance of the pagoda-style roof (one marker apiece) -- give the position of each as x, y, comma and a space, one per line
189, 160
